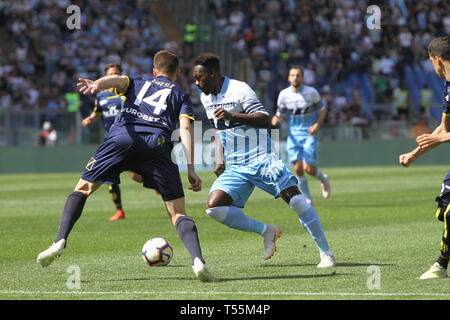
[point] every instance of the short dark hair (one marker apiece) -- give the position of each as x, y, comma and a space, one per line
208, 60
440, 47
166, 61
296, 67
113, 65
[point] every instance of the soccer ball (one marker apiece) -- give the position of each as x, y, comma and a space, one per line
157, 252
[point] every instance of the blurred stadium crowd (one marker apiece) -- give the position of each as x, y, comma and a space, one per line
356, 69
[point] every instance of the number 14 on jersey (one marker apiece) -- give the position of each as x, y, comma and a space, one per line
157, 99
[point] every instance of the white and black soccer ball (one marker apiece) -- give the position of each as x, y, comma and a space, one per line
157, 252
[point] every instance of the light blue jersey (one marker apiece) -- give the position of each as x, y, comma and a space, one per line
302, 109
242, 144
248, 152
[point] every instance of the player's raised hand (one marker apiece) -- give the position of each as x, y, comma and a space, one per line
87, 86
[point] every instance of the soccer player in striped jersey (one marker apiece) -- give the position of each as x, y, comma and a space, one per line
107, 105
439, 54
241, 124
140, 141
306, 113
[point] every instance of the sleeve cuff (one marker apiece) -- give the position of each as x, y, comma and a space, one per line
186, 116
121, 93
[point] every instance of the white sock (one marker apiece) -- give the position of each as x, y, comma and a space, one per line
309, 219
235, 218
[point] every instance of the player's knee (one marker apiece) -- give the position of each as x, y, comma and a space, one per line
299, 204
218, 198
311, 170
136, 177
298, 168
86, 187
218, 213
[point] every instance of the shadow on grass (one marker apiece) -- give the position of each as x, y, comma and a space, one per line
343, 264
281, 277
305, 276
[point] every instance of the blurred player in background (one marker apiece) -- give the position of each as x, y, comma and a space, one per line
107, 105
241, 124
439, 54
48, 137
140, 141
306, 113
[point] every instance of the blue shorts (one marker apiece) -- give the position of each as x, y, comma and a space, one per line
239, 181
303, 147
147, 154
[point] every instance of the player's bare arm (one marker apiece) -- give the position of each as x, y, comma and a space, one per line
257, 120
187, 140
426, 142
92, 118
316, 126
440, 135
219, 167
104, 83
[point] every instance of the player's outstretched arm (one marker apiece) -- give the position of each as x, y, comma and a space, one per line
440, 135
426, 142
107, 82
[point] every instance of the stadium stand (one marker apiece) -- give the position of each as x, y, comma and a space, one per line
41, 57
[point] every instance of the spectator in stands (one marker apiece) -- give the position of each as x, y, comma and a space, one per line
48, 137
329, 35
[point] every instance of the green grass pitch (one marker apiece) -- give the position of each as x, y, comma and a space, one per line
379, 222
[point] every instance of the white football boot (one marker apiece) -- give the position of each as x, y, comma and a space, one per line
436, 271
48, 256
326, 260
270, 236
201, 271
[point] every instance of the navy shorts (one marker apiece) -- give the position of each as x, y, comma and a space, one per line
147, 154
445, 185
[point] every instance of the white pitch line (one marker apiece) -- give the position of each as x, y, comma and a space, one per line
231, 293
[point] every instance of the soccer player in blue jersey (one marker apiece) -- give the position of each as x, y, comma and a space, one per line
439, 54
140, 141
107, 105
241, 124
306, 113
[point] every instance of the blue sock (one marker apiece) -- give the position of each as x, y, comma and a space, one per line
311, 222
320, 176
72, 211
303, 186
236, 219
